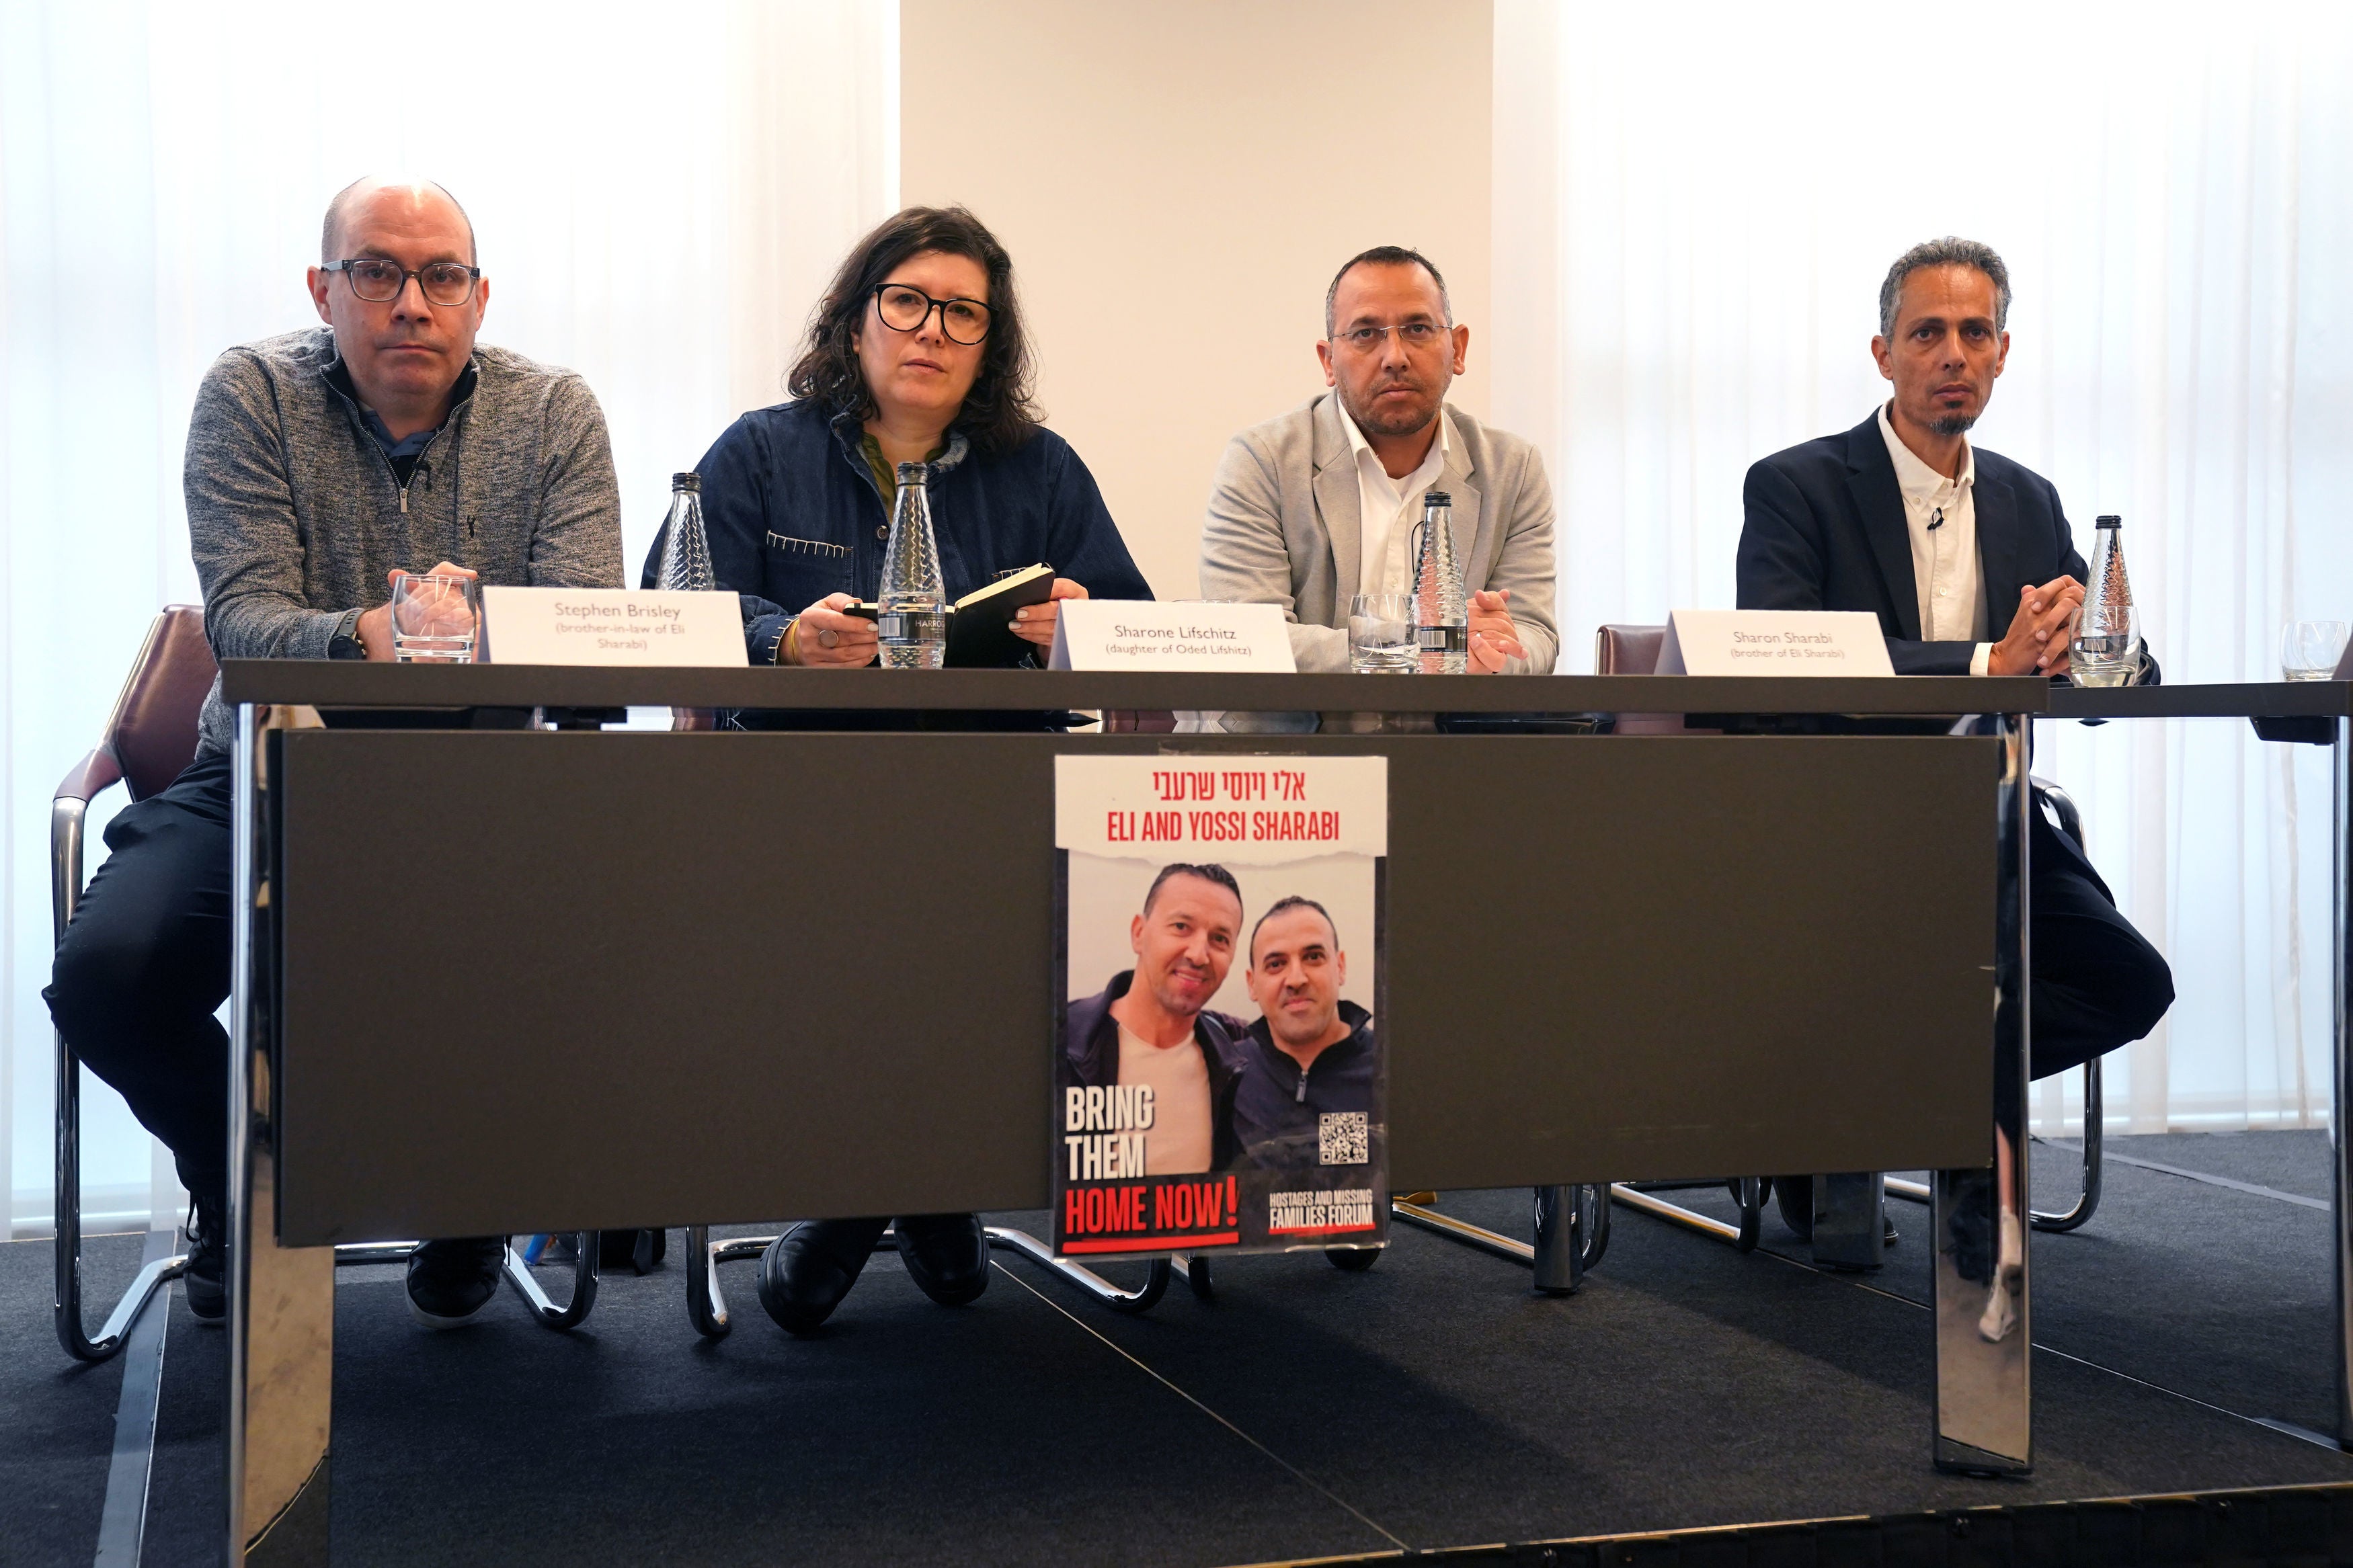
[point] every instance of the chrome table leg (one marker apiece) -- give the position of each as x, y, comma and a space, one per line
282, 1300
1977, 1232
2341, 1190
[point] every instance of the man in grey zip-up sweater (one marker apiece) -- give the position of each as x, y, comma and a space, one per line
319, 463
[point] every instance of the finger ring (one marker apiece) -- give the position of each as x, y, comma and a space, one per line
828, 638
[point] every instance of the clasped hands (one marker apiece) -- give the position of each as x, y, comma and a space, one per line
827, 633
2036, 643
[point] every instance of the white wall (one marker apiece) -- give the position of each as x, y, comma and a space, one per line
1178, 184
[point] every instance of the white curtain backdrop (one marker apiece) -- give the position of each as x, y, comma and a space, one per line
1694, 208
658, 193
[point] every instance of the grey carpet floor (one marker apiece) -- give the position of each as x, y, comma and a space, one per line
56, 1415
1430, 1402
2220, 1294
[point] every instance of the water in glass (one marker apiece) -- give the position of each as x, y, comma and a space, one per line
2311, 650
1380, 635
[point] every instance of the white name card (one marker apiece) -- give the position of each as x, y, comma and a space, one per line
1774, 642
611, 627
1138, 634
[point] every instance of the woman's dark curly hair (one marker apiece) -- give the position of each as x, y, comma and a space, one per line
997, 415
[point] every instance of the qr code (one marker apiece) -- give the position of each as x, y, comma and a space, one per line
1343, 1137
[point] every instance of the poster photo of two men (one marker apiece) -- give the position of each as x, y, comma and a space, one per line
1219, 1080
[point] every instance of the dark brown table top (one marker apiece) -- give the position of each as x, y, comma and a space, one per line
355, 684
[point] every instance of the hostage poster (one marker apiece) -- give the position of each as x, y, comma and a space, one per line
1220, 1083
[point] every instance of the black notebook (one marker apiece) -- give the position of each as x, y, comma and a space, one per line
979, 624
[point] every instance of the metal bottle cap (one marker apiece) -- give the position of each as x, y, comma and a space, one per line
686, 482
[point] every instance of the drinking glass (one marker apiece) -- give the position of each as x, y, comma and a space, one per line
434, 618
2104, 655
1380, 635
2309, 650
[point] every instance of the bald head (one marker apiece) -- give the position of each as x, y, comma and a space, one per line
405, 353
398, 196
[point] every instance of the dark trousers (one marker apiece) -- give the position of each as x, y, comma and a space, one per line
2097, 982
145, 964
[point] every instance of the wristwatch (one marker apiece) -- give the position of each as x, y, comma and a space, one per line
345, 643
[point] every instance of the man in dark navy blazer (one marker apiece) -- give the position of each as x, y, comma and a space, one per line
1966, 559
1902, 516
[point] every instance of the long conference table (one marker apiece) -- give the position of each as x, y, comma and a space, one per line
499, 971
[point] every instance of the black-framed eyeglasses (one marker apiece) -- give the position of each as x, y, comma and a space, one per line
376, 280
1412, 334
904, 309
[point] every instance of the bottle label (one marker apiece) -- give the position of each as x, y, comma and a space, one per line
1442, 639
910, 625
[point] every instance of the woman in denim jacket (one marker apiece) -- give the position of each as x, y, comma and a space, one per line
917, 354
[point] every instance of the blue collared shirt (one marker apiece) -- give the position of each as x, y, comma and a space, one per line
403, 454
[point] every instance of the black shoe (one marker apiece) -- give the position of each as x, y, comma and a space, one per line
807, 1270
449, 1282
207, 1255
947, 1254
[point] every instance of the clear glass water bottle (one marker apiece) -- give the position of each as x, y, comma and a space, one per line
686, 548
2105, 647
912, 609
1442, 611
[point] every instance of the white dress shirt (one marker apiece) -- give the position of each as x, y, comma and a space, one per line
1941, 515
1388, 509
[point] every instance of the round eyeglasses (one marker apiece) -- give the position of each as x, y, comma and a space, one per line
904, 310
377, 281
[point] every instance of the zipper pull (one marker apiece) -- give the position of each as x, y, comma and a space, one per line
403, 500
1301, 1099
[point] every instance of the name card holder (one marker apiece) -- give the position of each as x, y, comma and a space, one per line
1138, 634
613, 627
1774, 642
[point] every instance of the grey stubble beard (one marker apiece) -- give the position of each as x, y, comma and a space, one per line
1378, 427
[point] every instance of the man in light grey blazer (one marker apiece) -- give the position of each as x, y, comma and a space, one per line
1316, 506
